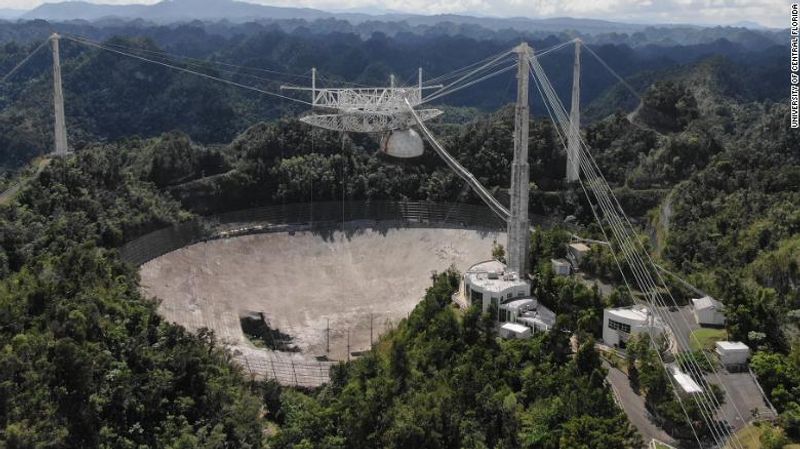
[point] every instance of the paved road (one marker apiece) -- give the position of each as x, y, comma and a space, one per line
634, 407
743, 396
684, 322
742, 392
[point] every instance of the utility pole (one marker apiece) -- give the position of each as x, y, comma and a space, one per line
573, 141
518, 243
328, 337
58, 101
348, 344
370, 330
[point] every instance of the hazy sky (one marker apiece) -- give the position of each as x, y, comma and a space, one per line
772, 13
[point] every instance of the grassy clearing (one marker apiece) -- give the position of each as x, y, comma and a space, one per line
750, 437
705, 338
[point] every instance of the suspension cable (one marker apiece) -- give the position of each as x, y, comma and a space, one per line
458, 72
455, 84
639, 270
189, 58
627, 241
464, 86
26, 59
613, 72
656, 349
485, 66
186, 70
614, 218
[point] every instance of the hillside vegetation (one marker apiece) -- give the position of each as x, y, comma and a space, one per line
111, 96
708, 167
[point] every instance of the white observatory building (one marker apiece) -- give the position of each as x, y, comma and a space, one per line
500, 292
620, 323
488, 285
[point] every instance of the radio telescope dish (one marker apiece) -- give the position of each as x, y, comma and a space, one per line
402, 144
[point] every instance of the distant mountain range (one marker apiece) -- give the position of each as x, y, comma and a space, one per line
223, 17
10, 14
170, 11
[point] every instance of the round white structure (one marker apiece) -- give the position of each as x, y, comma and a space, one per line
488, 284
403, 144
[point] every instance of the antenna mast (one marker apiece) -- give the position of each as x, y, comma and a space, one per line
518, 224
61, 148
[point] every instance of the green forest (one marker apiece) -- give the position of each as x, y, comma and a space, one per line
706, 167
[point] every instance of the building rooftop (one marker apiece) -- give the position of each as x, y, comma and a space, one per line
542, 315
530, 311
521, 304
633, 313
707, 302
582, 247
560, 261
688, 385
488, 266
732, 346
514, 327
492, 276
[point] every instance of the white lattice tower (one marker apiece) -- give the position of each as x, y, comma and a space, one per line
60, 127
518, 244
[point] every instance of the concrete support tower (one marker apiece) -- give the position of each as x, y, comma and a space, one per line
518, 244
58, 101
573, 144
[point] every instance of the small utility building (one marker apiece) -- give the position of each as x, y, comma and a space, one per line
688, 385
561, 267
733, 354
708, 311
528, 312
514, 330
577, 251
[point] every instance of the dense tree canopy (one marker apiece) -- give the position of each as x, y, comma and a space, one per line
85, 361
442, 380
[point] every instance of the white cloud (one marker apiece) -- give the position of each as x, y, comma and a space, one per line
767, 12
